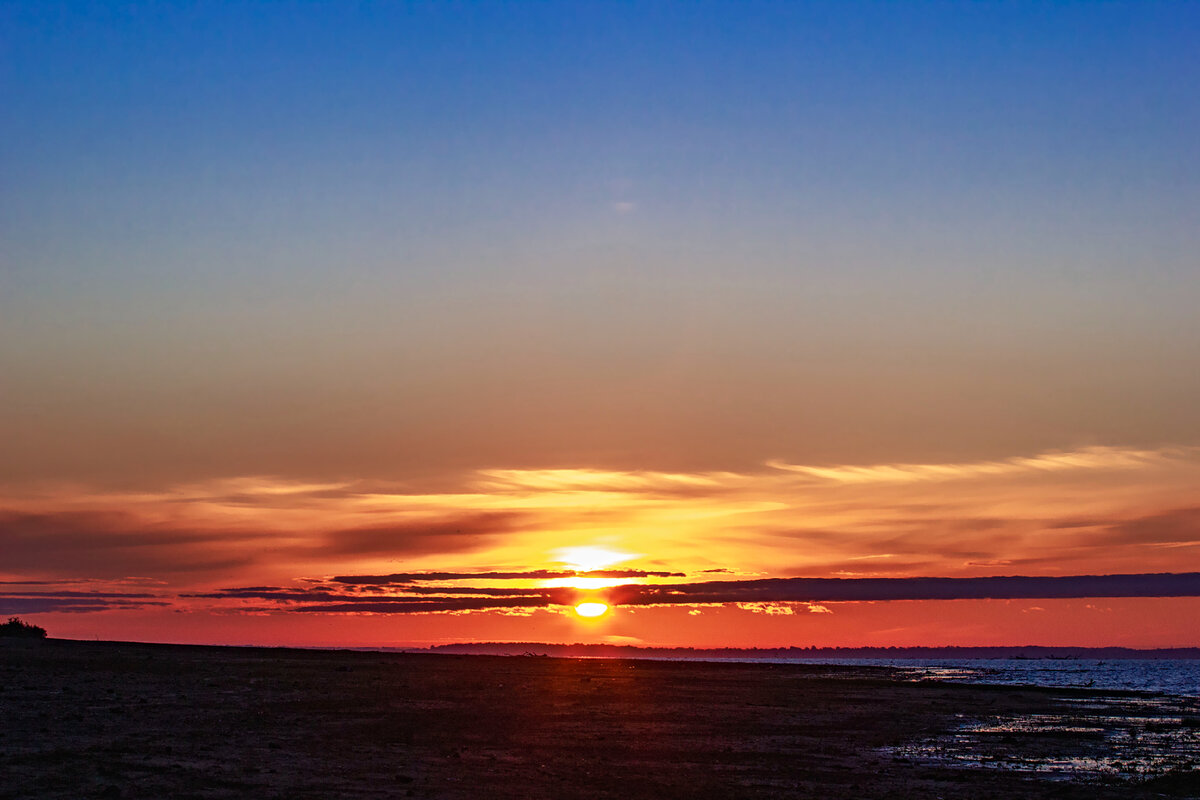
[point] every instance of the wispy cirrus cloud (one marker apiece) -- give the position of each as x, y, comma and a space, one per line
113, 544
1087, 459
585, 480
424, 534
1091, 511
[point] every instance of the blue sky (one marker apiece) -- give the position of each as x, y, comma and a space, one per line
882, 215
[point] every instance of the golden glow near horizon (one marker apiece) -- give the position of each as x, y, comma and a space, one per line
587, 558
1106, 508
591, 609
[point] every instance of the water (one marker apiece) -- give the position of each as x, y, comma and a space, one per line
1139, 723
1125, 738
1180, 678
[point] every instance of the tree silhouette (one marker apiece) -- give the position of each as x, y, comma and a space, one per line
25, 630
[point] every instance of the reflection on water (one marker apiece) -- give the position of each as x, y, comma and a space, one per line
1089, 738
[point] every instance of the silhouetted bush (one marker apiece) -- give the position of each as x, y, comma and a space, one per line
15, 627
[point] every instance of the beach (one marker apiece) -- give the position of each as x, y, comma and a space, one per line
114, 720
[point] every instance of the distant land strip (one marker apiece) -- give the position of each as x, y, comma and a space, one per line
634, 651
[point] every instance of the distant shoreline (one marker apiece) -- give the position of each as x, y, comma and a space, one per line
1031, 652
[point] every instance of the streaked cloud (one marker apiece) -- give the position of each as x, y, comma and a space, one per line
511, 539
1091, 458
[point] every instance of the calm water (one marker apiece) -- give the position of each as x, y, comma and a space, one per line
1175, 677
1179, 677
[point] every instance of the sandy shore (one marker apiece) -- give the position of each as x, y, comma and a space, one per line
84, 719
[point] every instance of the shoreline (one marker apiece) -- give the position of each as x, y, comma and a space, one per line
206, 721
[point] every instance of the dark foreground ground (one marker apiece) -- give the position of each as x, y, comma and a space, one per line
83, 719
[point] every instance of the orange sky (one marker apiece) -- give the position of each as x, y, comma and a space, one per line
242, 559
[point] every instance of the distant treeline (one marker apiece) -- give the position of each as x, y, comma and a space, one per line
629, 651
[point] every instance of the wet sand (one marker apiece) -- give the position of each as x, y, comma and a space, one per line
105, 720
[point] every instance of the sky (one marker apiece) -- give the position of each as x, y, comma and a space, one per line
419, 323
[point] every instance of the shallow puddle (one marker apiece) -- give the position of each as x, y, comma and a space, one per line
1128, 738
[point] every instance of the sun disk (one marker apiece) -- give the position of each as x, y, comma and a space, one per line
591, 609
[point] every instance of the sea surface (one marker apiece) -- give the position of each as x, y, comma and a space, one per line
1174, 677
1178, 677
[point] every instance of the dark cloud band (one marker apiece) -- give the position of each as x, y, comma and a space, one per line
426, 599
804, 590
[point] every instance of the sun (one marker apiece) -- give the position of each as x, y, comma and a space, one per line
591, 609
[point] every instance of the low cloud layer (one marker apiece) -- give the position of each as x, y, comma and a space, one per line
805, 590
425, 599
16, 602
